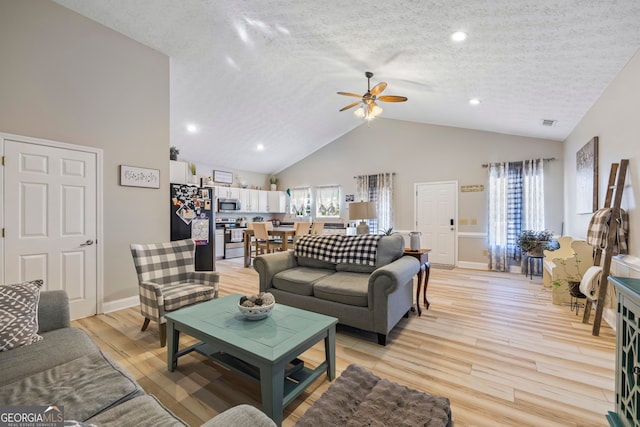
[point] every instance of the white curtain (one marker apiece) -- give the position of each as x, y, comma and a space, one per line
498, 224
328, 201
362, 188
384, 200
533, 195
299, 200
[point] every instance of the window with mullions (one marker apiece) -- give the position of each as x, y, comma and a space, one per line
301, 201
328, 201
379, 189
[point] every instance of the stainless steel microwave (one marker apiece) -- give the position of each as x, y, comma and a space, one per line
228, 205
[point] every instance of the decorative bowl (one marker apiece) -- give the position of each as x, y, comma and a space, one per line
256, 312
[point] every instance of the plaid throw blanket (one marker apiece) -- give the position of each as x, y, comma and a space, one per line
338, 249
323, 248
598, 232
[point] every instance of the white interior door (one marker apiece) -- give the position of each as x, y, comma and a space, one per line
50, 214
436, 218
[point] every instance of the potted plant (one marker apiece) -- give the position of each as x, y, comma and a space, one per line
534, 242
274, 183
192, 168
173, 153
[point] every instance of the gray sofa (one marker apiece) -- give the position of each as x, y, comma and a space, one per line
67, 368
369, 297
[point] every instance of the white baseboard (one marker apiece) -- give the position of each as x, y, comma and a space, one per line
111, 306
473, 265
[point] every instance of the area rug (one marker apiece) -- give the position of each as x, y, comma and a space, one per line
358, 398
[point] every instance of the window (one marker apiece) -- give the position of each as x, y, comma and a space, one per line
301, 201
328, 201
379, 189
516, 203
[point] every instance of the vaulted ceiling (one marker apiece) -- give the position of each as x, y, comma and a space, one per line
266, 72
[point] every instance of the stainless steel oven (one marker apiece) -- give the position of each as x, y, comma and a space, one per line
233, 242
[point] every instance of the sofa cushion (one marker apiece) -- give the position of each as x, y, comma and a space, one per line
390, 248
57, 347
299, 280
19, 314
315, 263
84, 386
140, 411
343, 287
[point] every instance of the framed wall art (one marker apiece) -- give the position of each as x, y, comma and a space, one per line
132, 176
587, 177
223, 177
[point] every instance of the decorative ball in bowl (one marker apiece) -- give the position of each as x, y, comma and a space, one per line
256, 307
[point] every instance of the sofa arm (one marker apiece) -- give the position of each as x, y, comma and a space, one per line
392, 275
53, 311
240, 416
269, 265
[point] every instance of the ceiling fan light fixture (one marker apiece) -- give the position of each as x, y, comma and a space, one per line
359, 112
459, 36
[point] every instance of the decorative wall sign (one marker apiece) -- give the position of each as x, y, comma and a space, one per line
224, 177
471, 188
587, 177
132, 176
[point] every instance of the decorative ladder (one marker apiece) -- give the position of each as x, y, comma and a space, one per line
612, 201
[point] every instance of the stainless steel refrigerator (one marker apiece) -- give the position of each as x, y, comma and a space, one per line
192, 217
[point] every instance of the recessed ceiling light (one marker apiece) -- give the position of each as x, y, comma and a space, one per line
260, 147
474, 101
191, 128
459, 36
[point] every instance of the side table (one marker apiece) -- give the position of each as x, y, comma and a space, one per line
531, 260
421, 255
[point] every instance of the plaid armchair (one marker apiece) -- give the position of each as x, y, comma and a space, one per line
168, 280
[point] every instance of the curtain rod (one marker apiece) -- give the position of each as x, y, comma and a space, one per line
392, 173
486, 165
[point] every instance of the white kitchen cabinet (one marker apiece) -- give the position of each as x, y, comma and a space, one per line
277, 202
179, 172
263, 201
227, 192
220, 243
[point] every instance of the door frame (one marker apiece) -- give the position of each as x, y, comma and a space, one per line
98, 152
455, 213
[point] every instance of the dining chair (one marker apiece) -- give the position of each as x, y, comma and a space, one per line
317, 228
168, 281
263, 243
300, 228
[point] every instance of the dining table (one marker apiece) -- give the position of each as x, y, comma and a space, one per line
284, 233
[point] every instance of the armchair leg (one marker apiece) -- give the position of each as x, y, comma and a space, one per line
163, 334
382, 339
145, 324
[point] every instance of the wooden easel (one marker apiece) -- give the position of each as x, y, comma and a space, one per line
612, 201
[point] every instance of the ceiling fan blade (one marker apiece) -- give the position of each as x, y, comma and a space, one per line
392, 98
349, 94
378, 88
350, 106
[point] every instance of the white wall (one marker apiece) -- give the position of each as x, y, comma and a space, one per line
424, 153
614, 119
66, 78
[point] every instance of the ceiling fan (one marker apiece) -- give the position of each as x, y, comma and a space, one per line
369, 109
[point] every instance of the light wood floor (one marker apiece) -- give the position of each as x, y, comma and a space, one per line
491, 342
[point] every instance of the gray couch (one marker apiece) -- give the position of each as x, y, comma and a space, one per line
67, 368
372, 298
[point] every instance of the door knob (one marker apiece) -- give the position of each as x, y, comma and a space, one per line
87, 243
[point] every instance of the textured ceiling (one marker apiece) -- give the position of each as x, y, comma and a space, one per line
267, 71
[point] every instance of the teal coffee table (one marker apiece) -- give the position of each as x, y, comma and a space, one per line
263, 350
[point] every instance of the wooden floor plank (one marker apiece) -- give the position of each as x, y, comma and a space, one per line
493, 343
